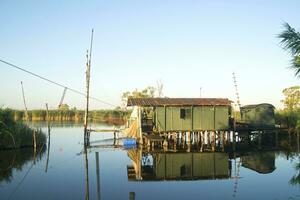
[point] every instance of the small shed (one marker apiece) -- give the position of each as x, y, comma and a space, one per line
183, 114
258, 114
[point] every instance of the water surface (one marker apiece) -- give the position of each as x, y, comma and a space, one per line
266, 171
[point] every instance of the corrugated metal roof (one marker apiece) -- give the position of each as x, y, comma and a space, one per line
177, 102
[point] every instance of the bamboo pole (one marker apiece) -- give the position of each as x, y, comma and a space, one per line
88, 72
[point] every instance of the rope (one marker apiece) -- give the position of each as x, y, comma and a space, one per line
55, 83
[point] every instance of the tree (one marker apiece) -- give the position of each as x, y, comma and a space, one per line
292, 98
290, 39
148, 92
64, 107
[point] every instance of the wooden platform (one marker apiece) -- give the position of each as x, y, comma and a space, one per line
153, 138
105, 130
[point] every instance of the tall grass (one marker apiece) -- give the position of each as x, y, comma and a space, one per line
115, 116
16, 134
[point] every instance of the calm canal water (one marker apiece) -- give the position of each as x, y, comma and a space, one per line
268, 169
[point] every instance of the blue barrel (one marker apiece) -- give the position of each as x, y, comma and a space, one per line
129, 143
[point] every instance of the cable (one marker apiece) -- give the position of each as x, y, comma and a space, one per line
55, 83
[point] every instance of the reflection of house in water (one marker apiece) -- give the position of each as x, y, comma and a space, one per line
261, 162
179, 166
255, 152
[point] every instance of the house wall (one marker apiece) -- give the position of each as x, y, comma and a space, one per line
196, 118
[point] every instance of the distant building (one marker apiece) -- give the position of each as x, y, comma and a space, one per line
258, 115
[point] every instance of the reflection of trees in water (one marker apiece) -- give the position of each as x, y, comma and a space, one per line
291, 145
295, 180
16, 159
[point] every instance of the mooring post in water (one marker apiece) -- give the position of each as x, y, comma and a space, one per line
131, 195
88, 72
49, 130
98, 174
34, 145
87, 99
86, 167
24, 101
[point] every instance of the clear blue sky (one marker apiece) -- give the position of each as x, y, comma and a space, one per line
187, 44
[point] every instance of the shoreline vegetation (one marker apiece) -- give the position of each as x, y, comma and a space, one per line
115, 117
288, 119
16, 134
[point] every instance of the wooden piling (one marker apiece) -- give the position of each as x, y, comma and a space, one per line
131, 195
98, 175
88, 71
86, 167
34, 146
48, 146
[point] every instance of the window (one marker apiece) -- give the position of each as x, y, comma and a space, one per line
185, 113
182, 113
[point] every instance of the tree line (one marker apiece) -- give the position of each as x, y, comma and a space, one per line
115, 116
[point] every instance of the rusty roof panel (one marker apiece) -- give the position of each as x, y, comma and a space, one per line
153, 102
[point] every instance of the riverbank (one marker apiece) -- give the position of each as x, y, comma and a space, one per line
116, 116
16, 134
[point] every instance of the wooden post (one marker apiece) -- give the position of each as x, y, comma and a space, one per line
140, 139
48, 146
213, 142
86, 167
24, 101
34, 146
114, 137
234, 141
88, 73
87, 101
98, 175
131, 195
